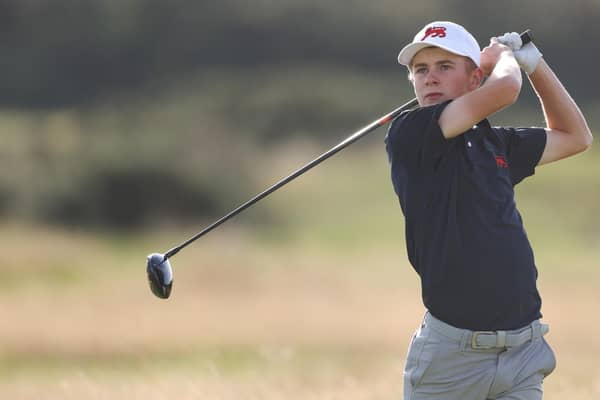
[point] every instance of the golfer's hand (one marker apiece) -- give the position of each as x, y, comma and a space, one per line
527, 56
491, 54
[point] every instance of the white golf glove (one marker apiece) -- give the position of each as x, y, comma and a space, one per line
527, 56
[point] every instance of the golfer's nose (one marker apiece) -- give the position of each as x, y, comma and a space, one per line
431, 78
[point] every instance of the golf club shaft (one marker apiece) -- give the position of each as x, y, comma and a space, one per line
342, 145
526, 37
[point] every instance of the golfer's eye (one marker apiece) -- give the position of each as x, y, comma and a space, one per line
420, 70
445, 67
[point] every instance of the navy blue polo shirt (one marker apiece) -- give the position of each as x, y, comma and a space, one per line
464, 235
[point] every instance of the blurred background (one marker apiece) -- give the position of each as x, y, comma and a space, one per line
128, 125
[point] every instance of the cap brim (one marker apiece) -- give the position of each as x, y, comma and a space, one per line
408, 52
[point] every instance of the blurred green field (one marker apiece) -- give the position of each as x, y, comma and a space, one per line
317, 304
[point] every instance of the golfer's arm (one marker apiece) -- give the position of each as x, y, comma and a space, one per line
567, 130
500, 90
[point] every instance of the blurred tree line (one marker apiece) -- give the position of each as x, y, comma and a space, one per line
108, 105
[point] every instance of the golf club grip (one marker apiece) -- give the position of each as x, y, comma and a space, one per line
526, 37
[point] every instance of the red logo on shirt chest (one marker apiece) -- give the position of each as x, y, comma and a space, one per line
435, 31
501, 162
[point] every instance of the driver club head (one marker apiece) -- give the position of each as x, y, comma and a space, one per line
160, 275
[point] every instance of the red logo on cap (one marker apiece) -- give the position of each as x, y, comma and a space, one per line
435, 31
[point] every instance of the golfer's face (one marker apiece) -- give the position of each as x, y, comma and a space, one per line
439, 75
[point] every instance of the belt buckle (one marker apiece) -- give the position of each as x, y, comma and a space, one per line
474, 337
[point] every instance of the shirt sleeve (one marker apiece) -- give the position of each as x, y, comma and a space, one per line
524, 148
415, 139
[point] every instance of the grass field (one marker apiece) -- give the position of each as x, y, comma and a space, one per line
319, 305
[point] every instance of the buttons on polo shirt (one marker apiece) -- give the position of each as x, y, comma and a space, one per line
469, 144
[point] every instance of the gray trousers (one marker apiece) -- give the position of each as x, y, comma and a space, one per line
447, 363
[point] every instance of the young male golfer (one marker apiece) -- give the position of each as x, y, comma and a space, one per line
454, 174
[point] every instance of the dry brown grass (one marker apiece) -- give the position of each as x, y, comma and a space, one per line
248, 322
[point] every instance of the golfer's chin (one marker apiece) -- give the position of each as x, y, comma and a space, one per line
432, 99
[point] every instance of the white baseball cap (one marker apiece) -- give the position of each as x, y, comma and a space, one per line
445, 35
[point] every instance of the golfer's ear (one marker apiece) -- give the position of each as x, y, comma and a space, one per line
476, 78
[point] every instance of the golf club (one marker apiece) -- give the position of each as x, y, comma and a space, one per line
158, 268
